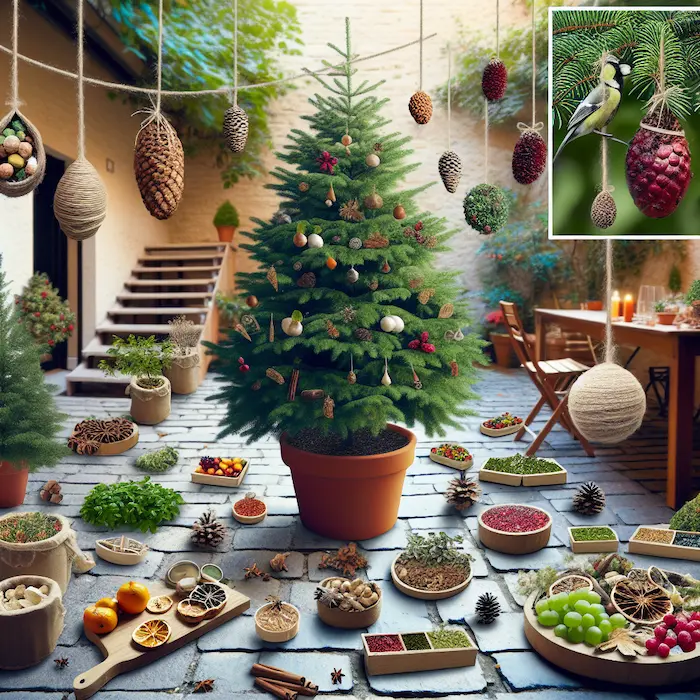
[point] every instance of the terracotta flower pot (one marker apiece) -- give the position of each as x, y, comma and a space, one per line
13, 485
349, 498
594, 305
503, 350
226, 233
149, 406
666, 318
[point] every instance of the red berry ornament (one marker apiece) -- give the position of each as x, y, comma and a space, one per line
494, 80
529, 157
326, 162
44, 295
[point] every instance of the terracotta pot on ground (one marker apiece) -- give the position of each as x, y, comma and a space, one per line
349, 498
13, 485
226, 233
594, 305
503, 350
183, 373
149, 406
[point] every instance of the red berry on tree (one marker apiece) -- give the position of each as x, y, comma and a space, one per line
44, 295
37, 314
71, 327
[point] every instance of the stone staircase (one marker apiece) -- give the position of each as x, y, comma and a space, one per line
169, 280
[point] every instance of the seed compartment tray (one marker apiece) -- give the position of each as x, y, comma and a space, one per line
659, 549
511, 479
591, 546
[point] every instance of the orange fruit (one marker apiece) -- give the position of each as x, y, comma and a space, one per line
99, 620
108, 603
133, 597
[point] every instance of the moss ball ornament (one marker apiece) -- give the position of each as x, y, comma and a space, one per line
603, 210
486, 208
529, 157
494, 80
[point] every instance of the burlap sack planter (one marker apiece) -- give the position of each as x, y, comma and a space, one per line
183, 374
28, 636
149, 406
19, 189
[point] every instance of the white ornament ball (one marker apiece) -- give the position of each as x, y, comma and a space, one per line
30, 166
607, 404
398, 324
388, 324
352, 275
372, 160
11, 144
292, 327
315, 241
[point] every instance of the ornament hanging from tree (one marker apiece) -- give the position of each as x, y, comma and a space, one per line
352, 377
420, 105
292, 324
449, 165
372, 160
386, 379
326, 162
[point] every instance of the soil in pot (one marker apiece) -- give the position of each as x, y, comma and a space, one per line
431, 578
13, 485
360, 444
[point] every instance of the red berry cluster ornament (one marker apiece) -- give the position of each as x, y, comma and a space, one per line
529, 157
658, 165
494, 80
326, 162
421, 343
242, 366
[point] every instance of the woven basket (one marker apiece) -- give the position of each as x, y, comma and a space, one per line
80, 202
19, 189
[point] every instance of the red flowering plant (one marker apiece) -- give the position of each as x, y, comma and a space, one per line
44, 314
495, 322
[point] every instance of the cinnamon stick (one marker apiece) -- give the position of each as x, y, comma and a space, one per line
277, 674
309, 689
277, 690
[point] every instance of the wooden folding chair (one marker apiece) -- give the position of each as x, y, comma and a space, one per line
553, 379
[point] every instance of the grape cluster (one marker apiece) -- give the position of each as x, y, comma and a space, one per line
208, 463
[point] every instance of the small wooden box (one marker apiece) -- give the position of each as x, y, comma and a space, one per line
387, 662
591, 546
453, 463
546, 479
659, 549
213, 480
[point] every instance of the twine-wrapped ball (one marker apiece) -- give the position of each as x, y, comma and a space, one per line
607, 404
603, 210
80, 201
529, 157
486, 208
236, 128
421, 107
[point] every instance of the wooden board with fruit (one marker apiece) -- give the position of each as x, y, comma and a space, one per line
221, 471
505, 424
452, 455
129, 641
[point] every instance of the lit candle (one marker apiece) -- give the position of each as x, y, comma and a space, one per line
615, 304
628, 308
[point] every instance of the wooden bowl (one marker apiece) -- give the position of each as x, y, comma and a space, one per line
285, 635
120, 558
116, 448
514, 542
428, 595
453, 463
248, 519
499, 432
334, 617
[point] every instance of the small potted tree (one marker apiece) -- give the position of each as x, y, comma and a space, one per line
183, 372
142, 359
226, 221
29, 419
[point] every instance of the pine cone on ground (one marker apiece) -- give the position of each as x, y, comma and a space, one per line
487, 608
450, 169
421, 107
589, 499
462, 493
603, 210
236, 128
207, 531
494, 80
159, 166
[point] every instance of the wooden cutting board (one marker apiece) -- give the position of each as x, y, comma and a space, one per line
122, 655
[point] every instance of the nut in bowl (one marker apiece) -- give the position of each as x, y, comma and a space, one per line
348, 604
220, 471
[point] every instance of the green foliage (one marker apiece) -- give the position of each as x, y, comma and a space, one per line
519, 464
230, 310
140, 357
688, 517
436, 549
486, 208
257, 405
226, 215
29, 419
591, 534
539, 580
29, 527
158, 460
693, 293
140, 504
198, 55
674, 279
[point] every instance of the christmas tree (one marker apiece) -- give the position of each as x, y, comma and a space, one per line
351, 325
29, 419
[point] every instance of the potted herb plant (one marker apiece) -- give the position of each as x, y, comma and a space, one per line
226, 221
29, 420
183, 372
143, 359
666, 311
380, 339
500, 340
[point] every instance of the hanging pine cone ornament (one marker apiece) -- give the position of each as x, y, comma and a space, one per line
421, 107
486, 208
529, 157
207, 531
658, 166
450, 169
236, 128
373, 201
603, 210
159, 166
494, 80
589, 499
461, 492
363, 334
487, 608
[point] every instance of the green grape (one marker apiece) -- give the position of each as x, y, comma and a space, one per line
593, 597
541, 605
561, 631
572, 619
576, 634
558, 601
548, 618
605, 628
579, 594
582, 606
597, 610
587, 621
617, 620
594, 636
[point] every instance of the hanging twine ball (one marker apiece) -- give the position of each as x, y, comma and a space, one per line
421, 107
603, 210
494, 80
236, 128
529, 157
450, 169
80, 201
486, 208
607, 404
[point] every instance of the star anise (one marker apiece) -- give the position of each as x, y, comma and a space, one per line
252, 571
276, 603
206, 686
61, 663
350, 211
378, 148
337, 676
348, 314
83, 446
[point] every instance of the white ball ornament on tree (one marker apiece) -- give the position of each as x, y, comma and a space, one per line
352, 275
372, 160
398, 324
388, 324
314, 241
292, 324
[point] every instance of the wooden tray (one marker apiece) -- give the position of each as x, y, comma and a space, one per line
428, 595
117, 557
384, 663
116, 448
546, 479
122, 655
591, 546
514, 542
499, 432
212, 480
658, 549
612, 666
453, 463
342, 619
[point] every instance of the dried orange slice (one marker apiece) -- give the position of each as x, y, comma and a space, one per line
159, 604
641, 602
152, 634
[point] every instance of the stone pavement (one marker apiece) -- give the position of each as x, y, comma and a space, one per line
630, 475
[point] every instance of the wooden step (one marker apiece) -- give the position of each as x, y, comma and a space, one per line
105, 331
157, 311
180, 282
179, 256
128, 297
139, 270
89, 375
201, 245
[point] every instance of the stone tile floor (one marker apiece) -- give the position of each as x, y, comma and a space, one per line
631, 474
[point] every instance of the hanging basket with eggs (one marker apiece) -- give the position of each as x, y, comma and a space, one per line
22, 156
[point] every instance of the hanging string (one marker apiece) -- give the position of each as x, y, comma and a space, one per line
14, 100
235, 52
420, 49
486, 141
449, 98
498, 29
81, 86
604, 160
659, 100
609, 343
160, 58
534, 124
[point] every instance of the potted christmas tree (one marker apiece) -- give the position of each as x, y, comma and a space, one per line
226, 221
29, 419
357, 329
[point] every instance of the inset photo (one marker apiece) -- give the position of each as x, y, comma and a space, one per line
624, 119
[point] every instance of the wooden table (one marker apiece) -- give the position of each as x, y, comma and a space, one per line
681, 347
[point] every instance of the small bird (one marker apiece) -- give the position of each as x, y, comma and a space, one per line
599, 107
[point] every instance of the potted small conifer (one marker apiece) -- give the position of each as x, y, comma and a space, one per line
142, 359
183, 372
29, 419
226, 221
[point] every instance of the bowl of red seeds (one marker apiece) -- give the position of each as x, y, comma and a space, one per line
249, 510
512, 528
